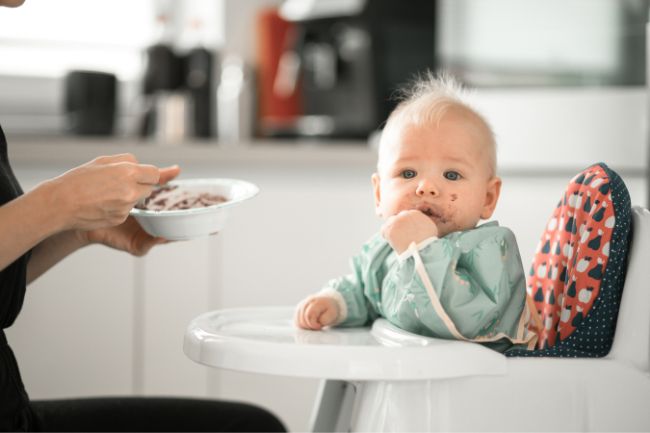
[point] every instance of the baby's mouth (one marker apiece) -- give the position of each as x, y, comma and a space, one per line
431, 211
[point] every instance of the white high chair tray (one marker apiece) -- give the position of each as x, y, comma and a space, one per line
265, 340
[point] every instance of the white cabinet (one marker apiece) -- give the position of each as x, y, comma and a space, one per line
74, 336
174, 283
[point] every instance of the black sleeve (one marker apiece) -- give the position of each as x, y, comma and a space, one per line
13, 279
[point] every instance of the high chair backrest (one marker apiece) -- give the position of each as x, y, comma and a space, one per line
578, 271
632, 339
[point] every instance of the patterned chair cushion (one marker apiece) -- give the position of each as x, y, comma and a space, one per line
578, 271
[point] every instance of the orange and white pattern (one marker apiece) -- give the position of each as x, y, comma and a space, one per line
571, 257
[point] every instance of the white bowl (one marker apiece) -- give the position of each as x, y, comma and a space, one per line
178, 225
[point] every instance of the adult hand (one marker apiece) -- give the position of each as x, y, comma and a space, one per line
406, 227
317, 312
101, 192
129, 236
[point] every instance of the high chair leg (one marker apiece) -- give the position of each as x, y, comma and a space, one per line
334, 406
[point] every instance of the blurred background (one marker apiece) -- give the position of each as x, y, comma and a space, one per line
303, 67
290, 95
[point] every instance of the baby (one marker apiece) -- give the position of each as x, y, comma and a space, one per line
431, 270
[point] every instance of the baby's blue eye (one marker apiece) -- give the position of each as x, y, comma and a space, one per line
451, 175
409, 174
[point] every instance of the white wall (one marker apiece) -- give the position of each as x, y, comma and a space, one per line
240, 28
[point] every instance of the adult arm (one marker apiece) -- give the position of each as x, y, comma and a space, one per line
24, 223
87, 204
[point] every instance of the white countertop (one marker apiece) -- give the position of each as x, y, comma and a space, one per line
75, 150
62, 151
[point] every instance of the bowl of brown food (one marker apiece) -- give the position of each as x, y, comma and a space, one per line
186, 209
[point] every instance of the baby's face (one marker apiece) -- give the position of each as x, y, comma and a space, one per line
442, 170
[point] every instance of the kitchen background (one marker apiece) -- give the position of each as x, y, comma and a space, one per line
287, 95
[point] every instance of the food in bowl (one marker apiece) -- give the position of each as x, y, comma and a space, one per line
172, 197
186, 209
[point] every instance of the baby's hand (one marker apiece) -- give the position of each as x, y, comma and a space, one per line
316, 313
406, 227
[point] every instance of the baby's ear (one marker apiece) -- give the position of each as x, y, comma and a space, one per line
376, 188
491, 197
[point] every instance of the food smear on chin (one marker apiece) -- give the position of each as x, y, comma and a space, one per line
171, 197
433, 214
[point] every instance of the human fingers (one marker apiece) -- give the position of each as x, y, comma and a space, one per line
409, 215
128, 236
313, 310
139, 191
168, 173
146, 174
145, 243
328, 316
304, 318
423, 224
308, 314
387, 226
103, 195
119, 157
299, 318
143, 173
322, 313
396, 231
410, 220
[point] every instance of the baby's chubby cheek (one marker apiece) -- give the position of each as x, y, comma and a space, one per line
396, 208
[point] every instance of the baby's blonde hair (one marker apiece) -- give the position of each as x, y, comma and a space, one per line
426, 100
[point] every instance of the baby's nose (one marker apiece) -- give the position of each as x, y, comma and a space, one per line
426, 188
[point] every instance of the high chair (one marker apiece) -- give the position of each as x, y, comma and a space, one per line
385, 379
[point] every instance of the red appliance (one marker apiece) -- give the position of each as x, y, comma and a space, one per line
278, 89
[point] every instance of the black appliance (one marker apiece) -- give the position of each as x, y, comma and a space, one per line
190, 74
199, 72
90, 100
350, 66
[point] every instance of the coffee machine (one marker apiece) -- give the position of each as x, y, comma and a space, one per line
350, 57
